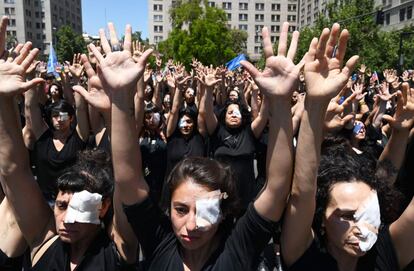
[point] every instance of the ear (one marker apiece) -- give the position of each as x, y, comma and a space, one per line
106, 203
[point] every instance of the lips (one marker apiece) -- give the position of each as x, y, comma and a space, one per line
188, 238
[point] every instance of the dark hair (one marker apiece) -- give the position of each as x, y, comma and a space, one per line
187, 111
60, 106
246, 117
208, 173
58, 86
91, 172
341, 164
150, 108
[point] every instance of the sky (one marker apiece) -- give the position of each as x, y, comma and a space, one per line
96, 13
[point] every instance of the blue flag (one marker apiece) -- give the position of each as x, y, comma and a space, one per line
235, 62
52, 62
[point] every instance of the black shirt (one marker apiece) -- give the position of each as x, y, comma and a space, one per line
381, 257
239, 249
101, 255
51, 163
10, 264
236, 147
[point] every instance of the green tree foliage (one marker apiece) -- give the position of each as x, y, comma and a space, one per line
68, 44
377, 49
201, 31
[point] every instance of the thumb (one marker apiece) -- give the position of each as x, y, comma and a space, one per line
82, 91
32, 83
389, 119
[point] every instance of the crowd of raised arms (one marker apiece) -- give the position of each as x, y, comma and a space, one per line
123, 166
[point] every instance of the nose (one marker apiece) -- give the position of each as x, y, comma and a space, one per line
191, 224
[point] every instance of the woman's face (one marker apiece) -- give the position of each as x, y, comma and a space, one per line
342, 234
183, 216
61, 121
148, 92
151, 120
186, 125
233, 95
54, 91
359, 130
167, 101
233, 116
189, 95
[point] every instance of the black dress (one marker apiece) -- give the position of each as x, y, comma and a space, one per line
236, 147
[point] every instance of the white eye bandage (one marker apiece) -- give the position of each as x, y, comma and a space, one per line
190, 91
156, 118
237, 113
368, 220
84, 207
63, 116
208, 210
181, 123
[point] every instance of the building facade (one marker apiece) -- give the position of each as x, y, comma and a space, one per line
247, 15
397, 13
38, 20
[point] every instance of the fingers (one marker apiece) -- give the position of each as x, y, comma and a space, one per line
293, 45
320, 48
143, 60
32, 83
400, 103
267, 44
310, 55
82, 91
23, 53
99, 57
3, 27
389, 119
333, 39
349, 100
30, 58
90, 72
128, 38
350, 66
342, 44
281, 49
347, 119
405, 87
104, 42
250, 68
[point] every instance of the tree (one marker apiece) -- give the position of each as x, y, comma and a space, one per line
68, 44
201, 31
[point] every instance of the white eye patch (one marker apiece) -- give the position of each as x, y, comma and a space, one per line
156, 118
190, 91
368, 220
208, 210
236, 112
63, 116
84, 207
182, 123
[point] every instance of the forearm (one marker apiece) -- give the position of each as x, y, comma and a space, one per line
156, 97
394, 151
377, 119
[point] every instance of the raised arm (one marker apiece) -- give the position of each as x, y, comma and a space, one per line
324, 77
208, 80
176, 105
277, 82
32, 213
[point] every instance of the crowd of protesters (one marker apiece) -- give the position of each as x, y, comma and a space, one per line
117, 165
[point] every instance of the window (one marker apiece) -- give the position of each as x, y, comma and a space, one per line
38, 36
9, 1
7, 11
37, 14
211, 4
291, 7
228, 16
37, 25
157, 18
291, 18
257, 50
158, 28
274, 39
258, 39
275, 28
259, 17
387, 18
275, 7
12, 22
242, 17
409, 12
43, 25
402, 14
243, 27
243, 6
292, 28
316, 2
226, 5
157, 38
258, 28
259, 6
28, 13
275, 18
157, 7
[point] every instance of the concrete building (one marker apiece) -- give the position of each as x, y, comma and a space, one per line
397, 13
248, 15
38, 20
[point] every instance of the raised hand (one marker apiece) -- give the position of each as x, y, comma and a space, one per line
324, 75
76, 68
96, 96
91, 56
138, 50
362, 69
390, 75
13, 72
384, 92
280, 76
358, 89
404, 113
406, 76
117, 70
208, 78
334, 119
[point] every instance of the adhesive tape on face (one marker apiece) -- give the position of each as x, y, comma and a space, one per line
84, 207
190, 91
182, 123
156, 118
368, 220
236, 112
63, 116
208, 210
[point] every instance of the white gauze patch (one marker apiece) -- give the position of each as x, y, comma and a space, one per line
156, 118
237, 113
208, 210
63, 116
190, 91
181, 123
368, 220
84, 207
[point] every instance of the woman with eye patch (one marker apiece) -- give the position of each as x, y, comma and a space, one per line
198, 231
333, 217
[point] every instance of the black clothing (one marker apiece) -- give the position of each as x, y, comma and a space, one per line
101, 255
261, 152
236, 147
154, 158
239, 248
381, 257
104, 144
51, 163
10, 264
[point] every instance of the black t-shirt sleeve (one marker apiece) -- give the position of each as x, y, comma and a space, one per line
149, 223
247, 240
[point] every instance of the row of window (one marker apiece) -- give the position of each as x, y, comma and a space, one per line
405, 14
242, 6
258, 28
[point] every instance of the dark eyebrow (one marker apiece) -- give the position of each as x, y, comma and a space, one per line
179, 203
